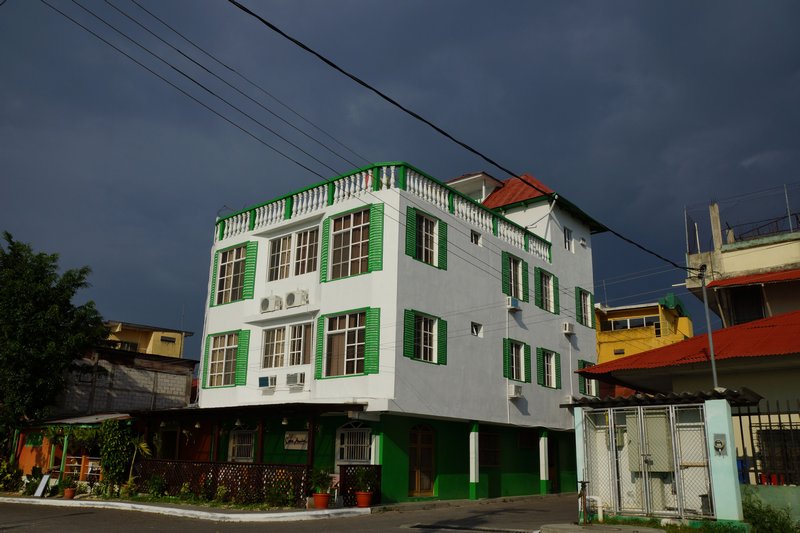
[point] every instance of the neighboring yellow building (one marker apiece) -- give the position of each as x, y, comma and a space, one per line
147, 339
631, 329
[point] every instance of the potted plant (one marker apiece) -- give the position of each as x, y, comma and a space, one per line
321, 483
362, 483
69, 485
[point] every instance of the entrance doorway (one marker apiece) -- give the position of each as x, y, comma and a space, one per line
421, 472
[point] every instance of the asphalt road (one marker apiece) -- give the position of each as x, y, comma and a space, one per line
526, 514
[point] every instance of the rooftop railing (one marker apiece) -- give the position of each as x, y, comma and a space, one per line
364, 182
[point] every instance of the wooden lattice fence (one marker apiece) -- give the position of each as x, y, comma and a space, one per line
242, 482
347, 477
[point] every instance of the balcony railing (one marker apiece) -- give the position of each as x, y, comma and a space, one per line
364, 182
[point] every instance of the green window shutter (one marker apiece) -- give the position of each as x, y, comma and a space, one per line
250, 270
558, 370
506, 356
506, 274
241, 357
408, 333
539, 366
527, 363
375, 261
441, 349
205, 362
323, 254
411, 232
372, 338
581, 379
578, 317
214, 274
442, 245
556, 297
591, 310
320, 347
525, 286
537, 286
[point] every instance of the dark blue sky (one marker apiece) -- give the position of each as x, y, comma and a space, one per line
631, 110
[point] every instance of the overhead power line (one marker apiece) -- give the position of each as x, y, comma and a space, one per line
430, 124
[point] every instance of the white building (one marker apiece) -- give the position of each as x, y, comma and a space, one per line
446, 329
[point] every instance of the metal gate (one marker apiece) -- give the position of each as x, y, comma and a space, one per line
648, 460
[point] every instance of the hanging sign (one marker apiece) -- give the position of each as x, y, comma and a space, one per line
295, 440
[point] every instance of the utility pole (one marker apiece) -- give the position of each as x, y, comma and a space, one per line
708, 325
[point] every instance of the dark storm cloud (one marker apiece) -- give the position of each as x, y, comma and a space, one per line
629, 109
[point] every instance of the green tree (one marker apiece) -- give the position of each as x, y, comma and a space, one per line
41, 330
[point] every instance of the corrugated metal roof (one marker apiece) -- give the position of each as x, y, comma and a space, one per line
514, 190
743, 396
767, 277
778, 335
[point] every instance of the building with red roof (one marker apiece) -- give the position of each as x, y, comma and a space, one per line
762, 355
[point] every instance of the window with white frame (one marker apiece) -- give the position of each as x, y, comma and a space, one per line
475, 238
289, 345
548, 300
515, 276
591, 387
569, 243
515, 365
549, 368
354, 444
345, 344
350, 248
274, 347
585, 385
476, 329
584, 307
222, 360
280, 257
300, 344
305, 251
426, 245
241, 446
230, 277
424, 337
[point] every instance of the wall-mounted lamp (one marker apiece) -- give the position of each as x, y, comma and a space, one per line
162, 424
197, 425
238, 423
285, 421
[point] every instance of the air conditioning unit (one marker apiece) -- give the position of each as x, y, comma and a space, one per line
298, 379
295, 298
271, 303
514, 391
267, 382
583, 242
568, 328
512, 304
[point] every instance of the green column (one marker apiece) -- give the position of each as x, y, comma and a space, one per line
13, 458
64, 456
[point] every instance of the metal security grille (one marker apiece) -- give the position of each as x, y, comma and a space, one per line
648, 460
768, 442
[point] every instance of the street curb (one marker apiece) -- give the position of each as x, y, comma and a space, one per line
290, 516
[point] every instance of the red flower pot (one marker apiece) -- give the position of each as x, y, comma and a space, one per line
69, 494
363, 499
321, 500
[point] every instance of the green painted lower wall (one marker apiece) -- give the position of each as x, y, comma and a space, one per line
566, 469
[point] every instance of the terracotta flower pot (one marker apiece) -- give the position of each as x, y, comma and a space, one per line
363, 499
69, 493
321, 500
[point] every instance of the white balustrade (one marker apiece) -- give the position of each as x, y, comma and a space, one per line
426, 189
309, 200
539, 247
269, 214
236, 225
511, 234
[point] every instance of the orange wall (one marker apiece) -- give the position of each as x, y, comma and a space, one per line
30, 456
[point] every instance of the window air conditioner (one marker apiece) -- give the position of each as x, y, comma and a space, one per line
267, 382
297, 379
270, 303
514, 391
568, 328
512, 304
295, 298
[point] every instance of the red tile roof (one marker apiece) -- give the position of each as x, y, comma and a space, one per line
768, 277
514, 190
777, 335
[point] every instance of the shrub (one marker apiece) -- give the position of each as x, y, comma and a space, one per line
185, 492
157, 486
33, 481
10, 476
280, 494
221, 494
765, 518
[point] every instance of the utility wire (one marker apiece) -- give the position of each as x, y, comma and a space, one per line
252, 83
226, 82
193, 80
165, 80
439, 130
